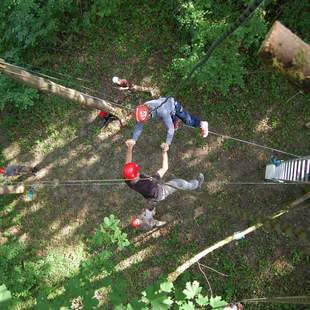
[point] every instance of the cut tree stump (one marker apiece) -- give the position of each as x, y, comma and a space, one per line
286, 52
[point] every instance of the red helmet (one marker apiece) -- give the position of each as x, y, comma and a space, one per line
131, 171
135, 222
142, 113
102, 114
2, 170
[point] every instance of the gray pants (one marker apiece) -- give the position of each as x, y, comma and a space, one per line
173, 185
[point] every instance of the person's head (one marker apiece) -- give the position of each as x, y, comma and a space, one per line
2, 170
115, 79
135, 223
142, 113
131, 171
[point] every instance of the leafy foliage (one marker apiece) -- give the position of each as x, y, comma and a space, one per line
164, 298
203, 22
5, 296
95, 273
18, 272
16, 95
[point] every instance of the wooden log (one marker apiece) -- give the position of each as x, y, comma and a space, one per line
11, 189
48, 86
286, 52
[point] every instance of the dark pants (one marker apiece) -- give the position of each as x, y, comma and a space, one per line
185, 117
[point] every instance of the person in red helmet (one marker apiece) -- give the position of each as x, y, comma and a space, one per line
151, 187
17, 170
146, 221
169, 110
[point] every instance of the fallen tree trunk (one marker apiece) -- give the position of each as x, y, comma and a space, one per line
286, 52
48, 86
11, 189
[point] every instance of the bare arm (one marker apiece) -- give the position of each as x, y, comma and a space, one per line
164, 167
130, 143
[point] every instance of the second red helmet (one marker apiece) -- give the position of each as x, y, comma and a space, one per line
142, 113
131, 171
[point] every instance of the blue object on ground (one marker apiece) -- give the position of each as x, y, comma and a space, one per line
30, 193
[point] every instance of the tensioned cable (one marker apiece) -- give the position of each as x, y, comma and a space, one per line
249, 142
254, 144
121, 181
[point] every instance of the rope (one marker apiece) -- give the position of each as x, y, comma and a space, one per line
90, 182
304, 300
254, 144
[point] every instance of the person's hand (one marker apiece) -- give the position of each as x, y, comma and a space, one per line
130, 143
123, 88
165, 147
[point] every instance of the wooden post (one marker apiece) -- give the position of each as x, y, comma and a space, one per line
288, 53
11, 189
48, 86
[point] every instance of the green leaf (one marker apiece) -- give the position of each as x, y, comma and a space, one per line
192, 290
5, 295
162, 302
188, 306
217, 302
202, 301
166, 287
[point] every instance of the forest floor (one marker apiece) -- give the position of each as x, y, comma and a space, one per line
66, 143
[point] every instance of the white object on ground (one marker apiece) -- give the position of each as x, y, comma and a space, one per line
115, 79
205, 128
239, 235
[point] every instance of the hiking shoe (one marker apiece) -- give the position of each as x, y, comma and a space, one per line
204, 127
200, 180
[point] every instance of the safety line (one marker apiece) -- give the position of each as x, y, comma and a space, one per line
122, 181
254, 144
304, 300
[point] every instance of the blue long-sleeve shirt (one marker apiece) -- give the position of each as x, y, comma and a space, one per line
164, 113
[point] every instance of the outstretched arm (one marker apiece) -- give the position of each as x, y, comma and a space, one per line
137, 132
170, 128
164, 167
130, 143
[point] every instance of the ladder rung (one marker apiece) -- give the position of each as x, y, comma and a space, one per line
302, 174
307, 172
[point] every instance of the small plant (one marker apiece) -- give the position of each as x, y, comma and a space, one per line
165, 298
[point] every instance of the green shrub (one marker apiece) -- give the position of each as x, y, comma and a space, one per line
202, 22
